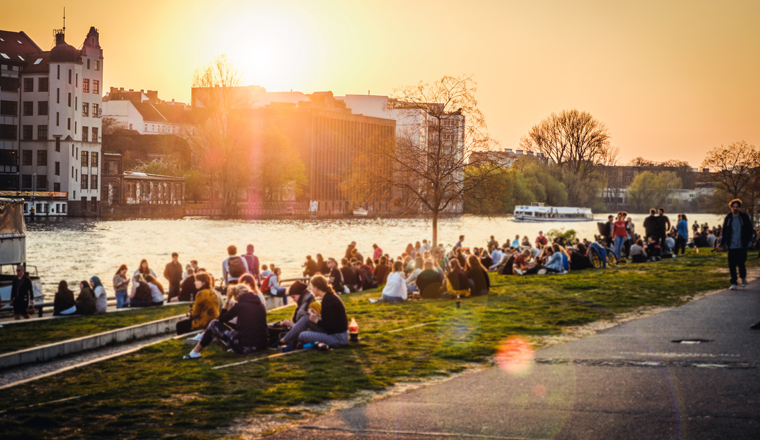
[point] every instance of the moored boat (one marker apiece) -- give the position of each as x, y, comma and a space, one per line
13, 251
537, 212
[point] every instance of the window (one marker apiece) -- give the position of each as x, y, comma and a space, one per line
57, 142
57, 168
26, 157
85, 134
86, 84
69, 99
85, 109
26, 181
42, 108
76, 80
94, 161
95, 110
9, 108
41, 158
76, 102
8, 131
57, 188
59, 72
88, 67
69, 76
95, 134
28, 108
41, 182
43, 85
28, 84
68, 127
97, 65
95, 84
85, 181
94, 182
42, 135
84, 158
75, 127
57, 119
26, 132
57, 96
8, 84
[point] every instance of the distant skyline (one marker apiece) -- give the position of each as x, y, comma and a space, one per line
671, 80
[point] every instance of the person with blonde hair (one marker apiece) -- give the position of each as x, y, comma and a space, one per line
331, 328
395, 289
205, 308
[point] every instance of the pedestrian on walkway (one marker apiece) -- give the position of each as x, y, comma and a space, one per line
173, 273
22, 293
737, 232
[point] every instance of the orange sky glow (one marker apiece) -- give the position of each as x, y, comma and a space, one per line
670, 79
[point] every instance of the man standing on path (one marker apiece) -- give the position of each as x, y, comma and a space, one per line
173, 273
663, 228
253, 263
737, 232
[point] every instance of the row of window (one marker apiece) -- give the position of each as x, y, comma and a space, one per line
88, 159
42, 84
93, 181
93, 155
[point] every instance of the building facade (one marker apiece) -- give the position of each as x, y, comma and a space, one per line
55, 127
144, 113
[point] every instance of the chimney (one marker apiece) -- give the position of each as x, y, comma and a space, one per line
519, 152
59, 37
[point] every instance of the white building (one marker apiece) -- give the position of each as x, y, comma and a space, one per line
144, 113
58, 147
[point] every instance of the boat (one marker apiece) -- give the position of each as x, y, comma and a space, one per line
360, 212
13, 251
537, 212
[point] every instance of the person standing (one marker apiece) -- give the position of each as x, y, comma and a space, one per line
683, 234
233, 267
459, 243
173, 273
663, 228
737, 232
651, 225
120, 286
253, 263
619, 235
22, 294
607, 232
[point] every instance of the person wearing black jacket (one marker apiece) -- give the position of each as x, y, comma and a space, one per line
350, 277
737, 232
21, 293
651, 225
663, 228
173, 273
330, 328
478, 275
187, 289
311, 267
251, 334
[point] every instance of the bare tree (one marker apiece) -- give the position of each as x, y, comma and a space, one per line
734, 173
423, 170
222, 137
577, 143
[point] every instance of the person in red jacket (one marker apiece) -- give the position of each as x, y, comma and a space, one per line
619, 234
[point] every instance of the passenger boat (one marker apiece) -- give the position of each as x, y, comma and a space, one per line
360, 212
13, 251
537, 212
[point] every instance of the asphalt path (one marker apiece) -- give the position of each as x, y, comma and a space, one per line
627, 382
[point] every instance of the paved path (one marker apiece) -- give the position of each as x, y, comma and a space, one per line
628, 382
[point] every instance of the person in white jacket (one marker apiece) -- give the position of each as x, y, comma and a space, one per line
395, 287
101, 300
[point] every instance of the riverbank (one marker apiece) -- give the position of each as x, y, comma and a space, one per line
153, 393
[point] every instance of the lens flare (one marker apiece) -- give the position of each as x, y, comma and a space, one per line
515, 356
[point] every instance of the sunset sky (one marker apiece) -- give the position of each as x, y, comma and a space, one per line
671, 79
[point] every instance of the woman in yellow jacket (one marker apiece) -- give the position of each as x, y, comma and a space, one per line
204, 310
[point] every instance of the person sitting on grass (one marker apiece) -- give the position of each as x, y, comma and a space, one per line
412, 278
305, 300
428, 282
331, 328
251, 334
554, 262
478, 276
638, 253
86, 303
274, 286
457, 283
250, 282
64, 302
156, 290
522, 262
395, 288
381, 270
204, 309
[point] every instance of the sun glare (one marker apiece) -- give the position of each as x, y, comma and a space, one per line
276, 47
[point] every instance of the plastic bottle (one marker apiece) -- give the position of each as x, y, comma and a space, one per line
459, 302
353, 330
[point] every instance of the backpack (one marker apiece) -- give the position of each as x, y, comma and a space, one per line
265, 288
236, 266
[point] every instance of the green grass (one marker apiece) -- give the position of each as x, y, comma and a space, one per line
33, 333
153, 393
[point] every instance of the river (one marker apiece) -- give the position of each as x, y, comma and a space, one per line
76, 249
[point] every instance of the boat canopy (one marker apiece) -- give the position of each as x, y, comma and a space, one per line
12, 231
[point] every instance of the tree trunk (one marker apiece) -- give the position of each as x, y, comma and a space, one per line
435, 229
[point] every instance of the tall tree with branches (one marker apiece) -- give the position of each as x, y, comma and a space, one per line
734, 172
222, 134
577, 144
438, 137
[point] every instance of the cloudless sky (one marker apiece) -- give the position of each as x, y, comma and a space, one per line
671, 79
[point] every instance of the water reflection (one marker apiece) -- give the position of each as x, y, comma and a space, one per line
76, 249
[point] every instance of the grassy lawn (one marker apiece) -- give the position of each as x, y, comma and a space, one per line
33, 333
153, 393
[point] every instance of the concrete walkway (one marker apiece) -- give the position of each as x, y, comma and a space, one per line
628, 382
